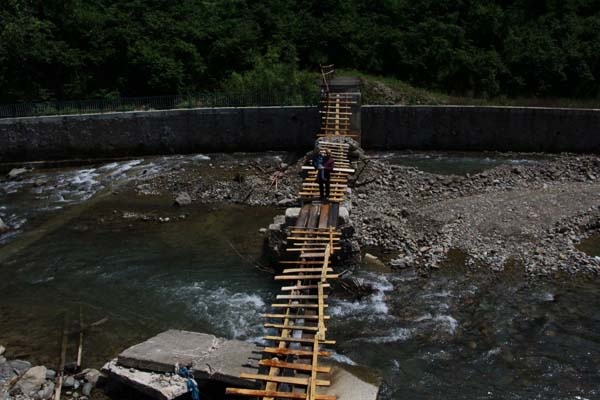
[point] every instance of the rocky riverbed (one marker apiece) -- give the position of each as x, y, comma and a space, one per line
20, 380
530, 215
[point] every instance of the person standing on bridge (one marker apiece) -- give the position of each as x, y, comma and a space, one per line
324, 175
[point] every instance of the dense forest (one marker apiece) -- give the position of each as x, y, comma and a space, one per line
71, 49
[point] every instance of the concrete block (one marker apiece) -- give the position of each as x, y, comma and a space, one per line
291, 215
353, 383
208, 357
157, 386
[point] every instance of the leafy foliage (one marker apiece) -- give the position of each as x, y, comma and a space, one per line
104, 48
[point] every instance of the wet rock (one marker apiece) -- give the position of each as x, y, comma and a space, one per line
19, 366
50, 374
3, 228
183, 199
373, 261
87, 389
288, 201
46, 392
15, 172
399, 264
2, 348
69, 382
31, 381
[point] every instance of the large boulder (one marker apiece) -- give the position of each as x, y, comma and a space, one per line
31, 381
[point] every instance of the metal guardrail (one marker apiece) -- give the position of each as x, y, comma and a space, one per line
122, 104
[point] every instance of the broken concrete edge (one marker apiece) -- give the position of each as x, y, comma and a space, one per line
158, 386
352, 382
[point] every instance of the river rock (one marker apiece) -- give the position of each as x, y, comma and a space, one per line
50, 374
2, 348
399, 264
87, 389
92, 376
373, 261
69, 382
15, 172
46, 392
288, 201
19, 366
31, 381
3, 228
183, 199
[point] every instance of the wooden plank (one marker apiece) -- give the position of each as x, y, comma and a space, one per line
311, 168
296, 270
333, 185
297, 297
324, 216
302, 287
283, 379
314, 247
275, 394
292, 327
297, 340
297, 316
314, 232
300, 305
340, 144
313, 218
301, 262
303, 217
303, 277
316, 239
334, 215
322, 329
294, 366
293, 352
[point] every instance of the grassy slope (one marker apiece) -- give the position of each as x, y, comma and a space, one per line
384, 90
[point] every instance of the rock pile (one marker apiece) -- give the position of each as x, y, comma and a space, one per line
19, 380
528, 215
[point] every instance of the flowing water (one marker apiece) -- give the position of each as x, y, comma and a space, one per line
457, 334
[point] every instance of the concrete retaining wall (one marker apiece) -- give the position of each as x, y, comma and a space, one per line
481, 128
293, 128
158, 132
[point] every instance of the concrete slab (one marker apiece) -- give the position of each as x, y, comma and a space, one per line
208, 357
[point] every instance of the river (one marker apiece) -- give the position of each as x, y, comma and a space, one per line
81, 242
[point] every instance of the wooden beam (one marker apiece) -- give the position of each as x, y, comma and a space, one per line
302, 353
298, 316
302, 287
294, 366
292, 327
283, 379
279, 305
297, 340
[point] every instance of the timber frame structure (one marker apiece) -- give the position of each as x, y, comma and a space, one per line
291, 367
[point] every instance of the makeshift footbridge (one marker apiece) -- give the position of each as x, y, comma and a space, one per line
291, 367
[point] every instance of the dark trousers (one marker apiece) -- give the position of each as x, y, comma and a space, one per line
324, 187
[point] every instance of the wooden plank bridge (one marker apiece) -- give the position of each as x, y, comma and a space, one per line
290, 365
